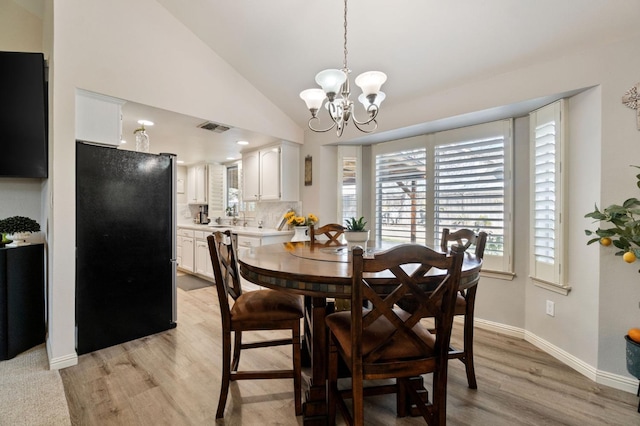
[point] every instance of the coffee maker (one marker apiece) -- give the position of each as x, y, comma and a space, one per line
202, 216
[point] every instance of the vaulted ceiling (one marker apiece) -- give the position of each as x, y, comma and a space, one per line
424, 46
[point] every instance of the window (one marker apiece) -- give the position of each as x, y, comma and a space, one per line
472, 186
454, 179
547, 183
349, 204
233, 188
401, 187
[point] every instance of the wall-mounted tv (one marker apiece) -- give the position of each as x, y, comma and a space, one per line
23, 115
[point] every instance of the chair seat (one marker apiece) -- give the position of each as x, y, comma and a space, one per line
398, 347
266, 305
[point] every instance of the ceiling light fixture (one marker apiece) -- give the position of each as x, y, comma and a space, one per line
242, 143
341, 109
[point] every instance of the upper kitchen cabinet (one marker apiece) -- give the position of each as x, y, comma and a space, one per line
197, 184
23, 115
98, 118
272, 173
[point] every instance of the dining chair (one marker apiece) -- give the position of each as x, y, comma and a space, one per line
466, 300
332, 232
383, 341
251, 311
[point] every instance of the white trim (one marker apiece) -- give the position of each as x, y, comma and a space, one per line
61, 362
616, 381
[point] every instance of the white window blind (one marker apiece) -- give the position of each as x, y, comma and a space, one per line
401, 186
547, 233
469, 189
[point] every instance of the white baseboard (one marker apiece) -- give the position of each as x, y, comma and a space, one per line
615, 381
61, 362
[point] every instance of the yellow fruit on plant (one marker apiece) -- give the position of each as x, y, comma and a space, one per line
605, 241
629, 257
634, 334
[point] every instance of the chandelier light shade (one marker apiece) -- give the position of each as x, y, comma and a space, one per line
336, 90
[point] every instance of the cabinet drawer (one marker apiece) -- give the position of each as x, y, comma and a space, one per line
247, 242
186, 232
199, 235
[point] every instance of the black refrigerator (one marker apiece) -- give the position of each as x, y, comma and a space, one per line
125, 245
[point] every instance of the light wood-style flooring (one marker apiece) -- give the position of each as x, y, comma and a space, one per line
173, 378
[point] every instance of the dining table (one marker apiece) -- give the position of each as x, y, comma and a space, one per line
319, 273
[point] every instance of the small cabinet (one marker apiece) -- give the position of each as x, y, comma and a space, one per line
185, 249
22, 311
197, 184
272, 173
98, 118
203, 260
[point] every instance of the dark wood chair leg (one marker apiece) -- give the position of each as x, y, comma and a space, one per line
237, 345
226, 374
332, 384
297, 368
468, 339
638, 394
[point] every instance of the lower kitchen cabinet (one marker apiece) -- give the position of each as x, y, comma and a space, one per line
22, 310
203, 259
185, 249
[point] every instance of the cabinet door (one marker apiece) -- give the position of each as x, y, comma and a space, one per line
251, 176
191, 185
202, 257
98, 118
179, 250
201, 183
187, 254
270, 174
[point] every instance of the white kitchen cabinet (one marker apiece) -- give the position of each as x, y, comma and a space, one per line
197, 184
186, 249
98, 118
272, 173
203, 259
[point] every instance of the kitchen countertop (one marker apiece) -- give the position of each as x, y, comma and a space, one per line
240, 230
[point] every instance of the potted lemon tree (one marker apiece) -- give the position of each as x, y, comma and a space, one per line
623, 233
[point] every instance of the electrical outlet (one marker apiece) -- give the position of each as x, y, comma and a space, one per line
551, 308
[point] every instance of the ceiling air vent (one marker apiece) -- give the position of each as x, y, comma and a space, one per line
214, 127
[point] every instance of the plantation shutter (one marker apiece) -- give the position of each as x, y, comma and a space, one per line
546, 187
401, 186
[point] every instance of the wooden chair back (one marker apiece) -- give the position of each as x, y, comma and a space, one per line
332, 231
464, 238
225, 272
387, 342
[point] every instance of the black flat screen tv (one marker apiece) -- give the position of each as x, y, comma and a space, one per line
23, 115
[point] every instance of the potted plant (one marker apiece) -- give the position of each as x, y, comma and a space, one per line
300, 224
18, 228
355, 233
623, 234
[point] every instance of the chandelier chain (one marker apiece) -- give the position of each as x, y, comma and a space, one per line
345, 35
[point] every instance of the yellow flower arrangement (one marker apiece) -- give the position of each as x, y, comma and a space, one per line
294, 220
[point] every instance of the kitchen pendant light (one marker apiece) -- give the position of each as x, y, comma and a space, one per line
335, 82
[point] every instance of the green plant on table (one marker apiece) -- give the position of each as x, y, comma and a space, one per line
355, 225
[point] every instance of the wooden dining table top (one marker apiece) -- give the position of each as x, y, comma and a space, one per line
317, 270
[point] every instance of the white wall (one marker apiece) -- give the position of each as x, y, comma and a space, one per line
135, 51
591, 321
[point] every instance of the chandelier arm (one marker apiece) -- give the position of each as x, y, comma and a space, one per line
372, 118
358, 124
320, 130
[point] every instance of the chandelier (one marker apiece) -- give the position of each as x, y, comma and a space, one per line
340, 109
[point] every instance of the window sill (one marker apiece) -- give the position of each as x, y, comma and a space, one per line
500, 275
556, 288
